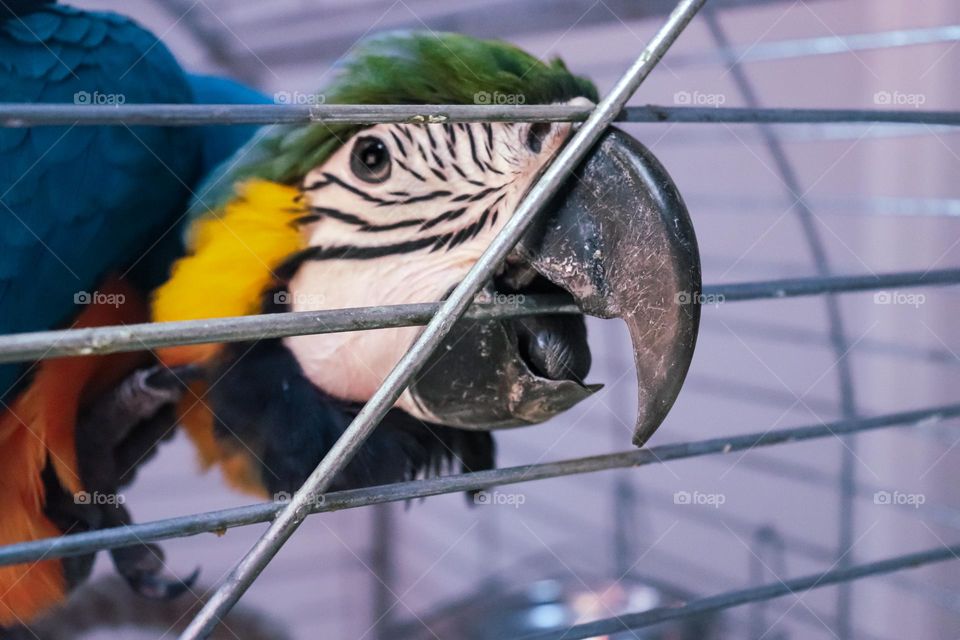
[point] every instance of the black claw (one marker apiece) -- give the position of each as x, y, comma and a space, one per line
142, 567
173, 377
160, 587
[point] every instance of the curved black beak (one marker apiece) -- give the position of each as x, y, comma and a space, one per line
619, 240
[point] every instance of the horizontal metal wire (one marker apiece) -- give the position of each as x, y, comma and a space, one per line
741, 204
817, 285
793, 544
221, 520
135, 337
731, 599
231, 587
822, 45
34, 114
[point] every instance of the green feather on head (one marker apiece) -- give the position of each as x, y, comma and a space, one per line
396, 68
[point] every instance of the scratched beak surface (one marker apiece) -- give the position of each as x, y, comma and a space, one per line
620, 240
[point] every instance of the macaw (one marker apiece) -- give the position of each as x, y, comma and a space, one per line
322, 216
89, 223
307, 217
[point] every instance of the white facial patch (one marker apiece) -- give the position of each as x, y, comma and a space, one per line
402, 213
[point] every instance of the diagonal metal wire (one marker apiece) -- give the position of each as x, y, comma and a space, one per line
440, 317
289, 519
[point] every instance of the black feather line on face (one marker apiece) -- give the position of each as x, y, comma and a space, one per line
381, 202
470, 231
402, 165
402, 224
310, 218
452, 141
396, 140
354, 190
460, 172
495, 208
441, 241
473, 151
426, 197
363, 224
342, 216
480, 195
453, 214
489, 130
480, 223
315, 186
462, 235
350, 252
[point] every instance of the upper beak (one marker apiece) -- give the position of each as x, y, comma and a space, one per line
619, 240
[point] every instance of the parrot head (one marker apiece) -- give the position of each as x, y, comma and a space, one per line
329, 216
399, 214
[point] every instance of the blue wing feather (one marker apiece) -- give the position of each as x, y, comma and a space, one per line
217, 144
220, 142
79, 203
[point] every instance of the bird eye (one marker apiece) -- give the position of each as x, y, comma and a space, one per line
536, 134
370, 159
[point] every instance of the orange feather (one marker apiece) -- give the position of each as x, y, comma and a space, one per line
37, 428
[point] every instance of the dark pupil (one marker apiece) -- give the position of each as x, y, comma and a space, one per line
373, 155
370, 160
535, 137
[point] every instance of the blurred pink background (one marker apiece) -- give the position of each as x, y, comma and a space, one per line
883, 198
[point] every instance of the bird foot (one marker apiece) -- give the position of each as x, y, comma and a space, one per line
143, 568
113, 437
146, 391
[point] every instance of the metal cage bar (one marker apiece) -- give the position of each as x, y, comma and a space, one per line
836, 334
289, 519
168, 115
439, 318
218, 521
730, 599
41, 345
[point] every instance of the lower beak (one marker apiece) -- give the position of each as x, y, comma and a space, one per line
619, 240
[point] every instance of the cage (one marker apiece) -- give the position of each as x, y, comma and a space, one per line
800, 488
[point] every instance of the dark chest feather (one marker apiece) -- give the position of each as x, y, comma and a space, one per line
267, 408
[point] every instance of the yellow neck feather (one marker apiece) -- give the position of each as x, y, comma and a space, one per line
233, 254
